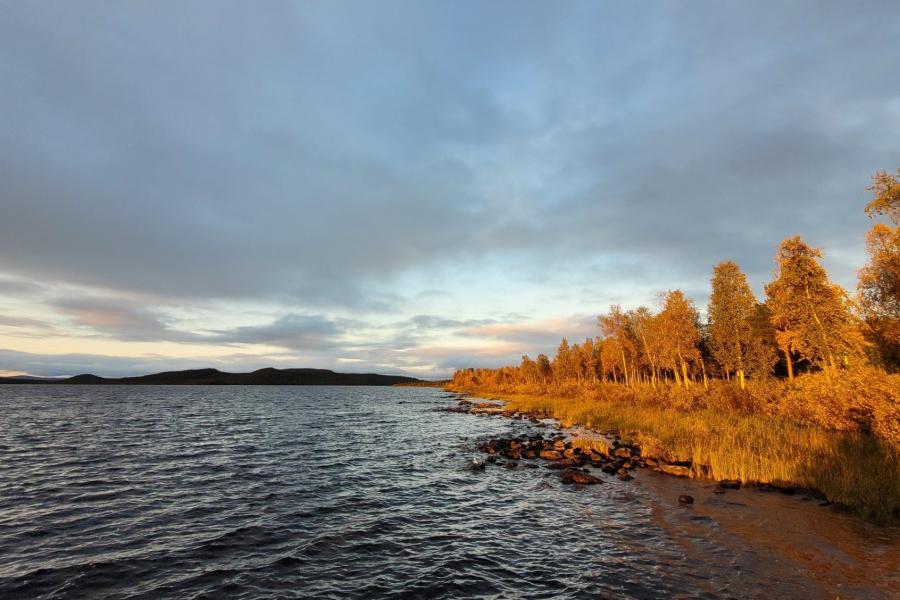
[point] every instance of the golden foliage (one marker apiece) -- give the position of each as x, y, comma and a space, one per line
835, 427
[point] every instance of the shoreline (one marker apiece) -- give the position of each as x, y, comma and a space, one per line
833, 473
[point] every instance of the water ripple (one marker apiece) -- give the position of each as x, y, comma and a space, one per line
205, 492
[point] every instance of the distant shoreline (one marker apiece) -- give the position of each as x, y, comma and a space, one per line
267, 376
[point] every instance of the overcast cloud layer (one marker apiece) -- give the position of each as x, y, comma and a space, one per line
413, 186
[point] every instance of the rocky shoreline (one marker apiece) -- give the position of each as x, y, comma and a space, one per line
577, 454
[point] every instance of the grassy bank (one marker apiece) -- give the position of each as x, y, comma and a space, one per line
854, 469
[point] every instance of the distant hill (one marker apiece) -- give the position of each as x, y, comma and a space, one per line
267, 376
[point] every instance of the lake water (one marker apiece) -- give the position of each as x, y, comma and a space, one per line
290, 492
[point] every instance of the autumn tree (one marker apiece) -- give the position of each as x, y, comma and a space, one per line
731, 310
679, 334
762, 354
886, 188
811, 315
562, 362
544, 370
589, 359
643, 329
615, 327
528, 370
879, 280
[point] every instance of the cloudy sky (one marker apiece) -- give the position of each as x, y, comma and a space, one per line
411, 187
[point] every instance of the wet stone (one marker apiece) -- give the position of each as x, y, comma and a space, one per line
578, 477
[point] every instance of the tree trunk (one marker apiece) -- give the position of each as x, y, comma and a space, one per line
684, 372
790, 365
705, 380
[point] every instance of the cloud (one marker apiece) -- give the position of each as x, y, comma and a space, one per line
538, 336
297, 332
117, 319
331, 169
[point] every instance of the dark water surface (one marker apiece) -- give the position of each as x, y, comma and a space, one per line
264, 492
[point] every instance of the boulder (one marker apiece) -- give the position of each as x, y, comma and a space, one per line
685, 499
550, 455
730, 484
677, 470
622, 452
579, 477
512, 453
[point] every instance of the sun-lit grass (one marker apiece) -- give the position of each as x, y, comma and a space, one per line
854, 469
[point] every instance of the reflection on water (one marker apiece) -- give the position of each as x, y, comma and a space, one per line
258, 492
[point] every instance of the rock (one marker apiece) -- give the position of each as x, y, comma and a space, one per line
490, 447
730, 484
512, 453
609, 468
511, 465
564, 463
718, 490
622, 452
559, 445
530, 466
550, 455
651, 462
477, 464
579, 477
624, 476
569, 452
685, 499
677, 470
531, 454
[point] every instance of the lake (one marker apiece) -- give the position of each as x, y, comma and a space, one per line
293, 492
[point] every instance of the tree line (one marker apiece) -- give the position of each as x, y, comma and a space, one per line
806, 322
